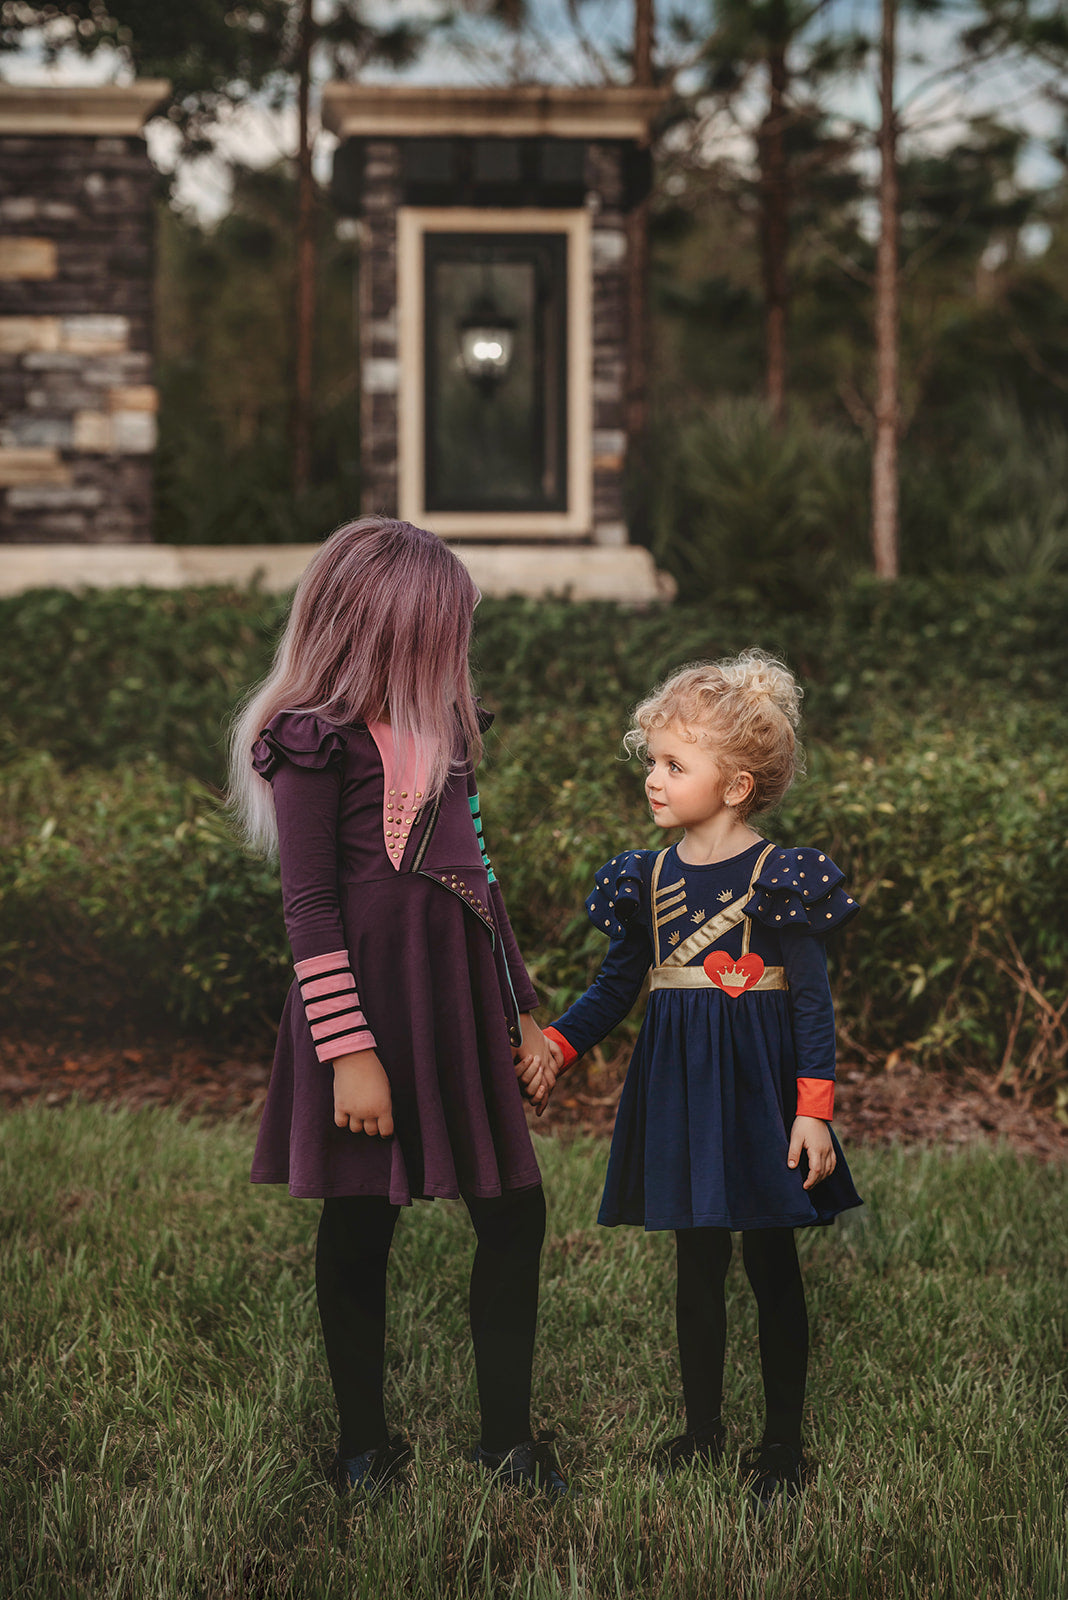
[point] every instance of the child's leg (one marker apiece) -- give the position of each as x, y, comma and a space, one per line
772, 1267
504, 1311
703, 1256
351, 1256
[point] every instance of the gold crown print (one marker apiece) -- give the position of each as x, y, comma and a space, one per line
731, 978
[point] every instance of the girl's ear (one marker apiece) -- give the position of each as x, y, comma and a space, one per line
740, 788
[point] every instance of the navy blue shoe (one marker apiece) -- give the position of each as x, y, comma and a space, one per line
689, 1449
374, 1472
530, 1467
773, 1472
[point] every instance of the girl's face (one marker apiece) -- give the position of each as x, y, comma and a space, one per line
685, 783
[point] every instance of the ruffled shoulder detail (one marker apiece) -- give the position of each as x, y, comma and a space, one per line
486, 718
801, 889
617, 892
299, 737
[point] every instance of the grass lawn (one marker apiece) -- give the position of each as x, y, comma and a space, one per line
167, 1416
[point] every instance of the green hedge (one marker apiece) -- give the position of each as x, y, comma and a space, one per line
125, 889
108, 677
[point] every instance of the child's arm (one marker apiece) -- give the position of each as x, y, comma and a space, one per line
306, 806
533, 1064
801, 896
812, 1011
608, 999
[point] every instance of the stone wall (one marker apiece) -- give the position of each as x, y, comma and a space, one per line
379, 366
77, 402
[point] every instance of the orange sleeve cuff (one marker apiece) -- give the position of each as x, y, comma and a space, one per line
815, 1098
570, 1053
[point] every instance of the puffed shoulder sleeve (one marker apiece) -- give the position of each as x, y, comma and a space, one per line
617, 893
801, 889
299, 737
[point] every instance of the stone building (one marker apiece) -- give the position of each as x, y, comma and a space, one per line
77, 401
493, 273
496, 221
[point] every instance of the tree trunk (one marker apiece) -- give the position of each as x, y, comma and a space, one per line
305, 275
775, 228
884, 475
637, 411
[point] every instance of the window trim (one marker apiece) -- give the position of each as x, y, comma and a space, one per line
413, 223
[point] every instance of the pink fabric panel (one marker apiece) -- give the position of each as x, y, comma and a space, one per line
331, 1008
312, 965
356, 1019
402, 791
345, 1045
324, 986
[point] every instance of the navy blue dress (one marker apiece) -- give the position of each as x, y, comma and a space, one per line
739, 1011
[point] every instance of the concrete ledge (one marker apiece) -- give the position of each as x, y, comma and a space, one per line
108, 110
625, 574
405, 110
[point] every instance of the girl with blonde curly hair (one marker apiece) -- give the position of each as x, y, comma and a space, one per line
724, 1120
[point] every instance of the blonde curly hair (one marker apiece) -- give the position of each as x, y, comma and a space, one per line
746, 708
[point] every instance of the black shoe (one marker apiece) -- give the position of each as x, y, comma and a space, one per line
531, 1467
375, 1472
705, 1448
774, 1471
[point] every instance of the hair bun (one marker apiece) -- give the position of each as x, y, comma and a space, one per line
765, 676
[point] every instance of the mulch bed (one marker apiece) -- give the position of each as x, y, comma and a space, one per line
898, 1103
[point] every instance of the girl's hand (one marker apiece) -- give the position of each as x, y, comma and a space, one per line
533, 1063
557, 1057
813, 1135
362, 1100
532, 1080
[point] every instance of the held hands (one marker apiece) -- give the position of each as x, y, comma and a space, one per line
813, 1135
534, 1063
362, 1101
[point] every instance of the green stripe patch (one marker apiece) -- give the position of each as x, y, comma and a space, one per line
476, 817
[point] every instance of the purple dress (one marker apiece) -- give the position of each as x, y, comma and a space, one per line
439, 978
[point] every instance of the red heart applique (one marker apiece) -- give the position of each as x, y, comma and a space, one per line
733, 977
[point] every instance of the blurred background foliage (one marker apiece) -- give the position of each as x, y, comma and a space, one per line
935, 729
224, 333
734, 499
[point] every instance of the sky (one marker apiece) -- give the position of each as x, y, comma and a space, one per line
259, 136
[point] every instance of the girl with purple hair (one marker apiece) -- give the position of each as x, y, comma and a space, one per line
407, 1038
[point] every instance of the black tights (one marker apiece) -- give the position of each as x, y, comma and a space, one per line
771, 1265
351, 1256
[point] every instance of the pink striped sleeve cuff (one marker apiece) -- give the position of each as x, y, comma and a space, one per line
332, 1005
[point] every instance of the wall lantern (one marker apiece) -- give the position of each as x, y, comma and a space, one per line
487, 339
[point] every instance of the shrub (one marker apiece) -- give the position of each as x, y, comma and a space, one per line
108, 677
129, 886
996, 502
740, 500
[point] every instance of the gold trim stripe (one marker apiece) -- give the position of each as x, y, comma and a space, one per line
669, 977
706, 934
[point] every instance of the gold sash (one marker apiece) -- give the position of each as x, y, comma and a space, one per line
707, 934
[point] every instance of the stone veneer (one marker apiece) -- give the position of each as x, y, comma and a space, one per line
77, 401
